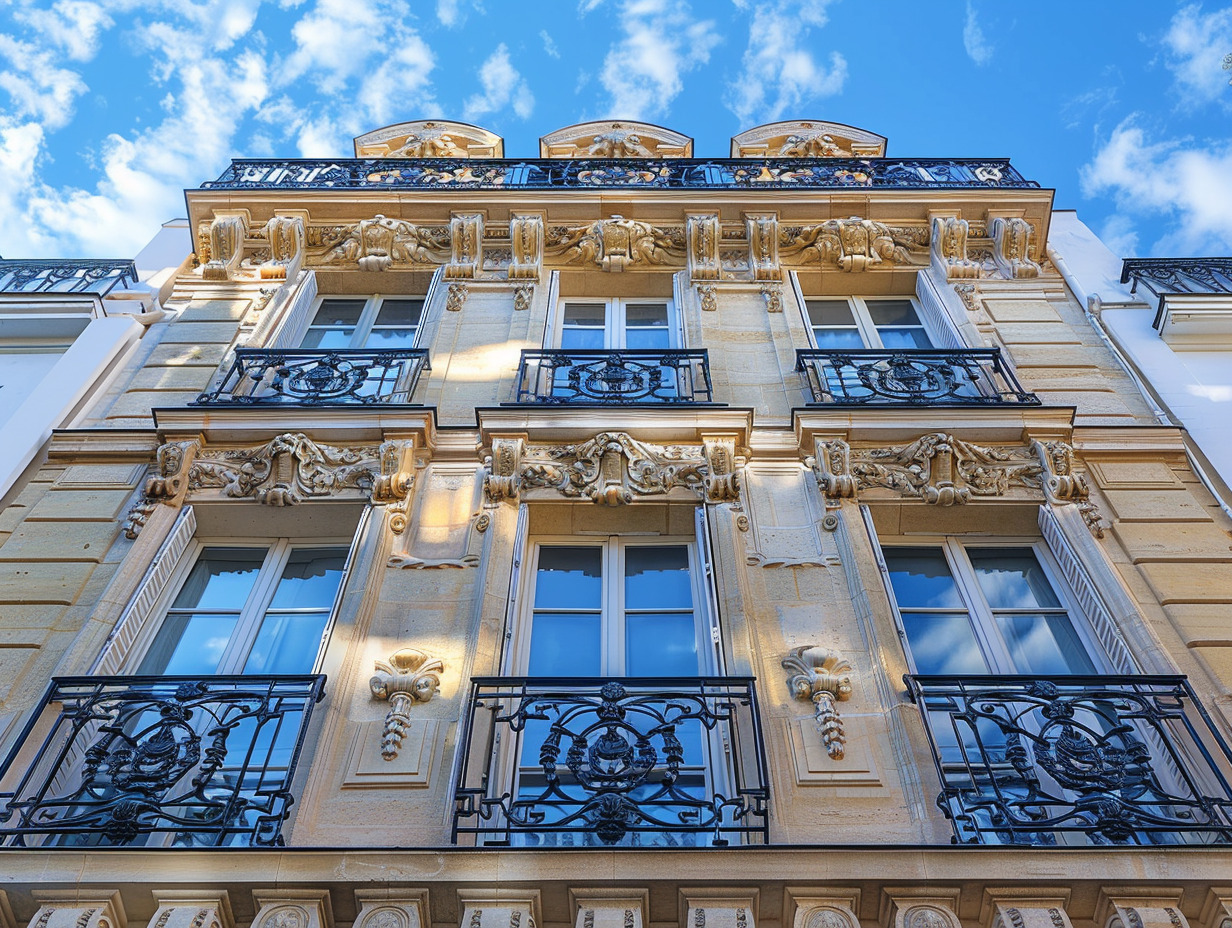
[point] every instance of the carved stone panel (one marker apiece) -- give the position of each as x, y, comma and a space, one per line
435, 138
617, 243
702, 232
380, 243
855, 244
615, 139
448, 527
783, 518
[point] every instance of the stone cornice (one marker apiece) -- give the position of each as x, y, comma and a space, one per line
895, 424
570, 423
336, 425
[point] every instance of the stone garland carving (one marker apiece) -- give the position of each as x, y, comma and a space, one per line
949, 248
854, 244
286, 238
466, 246
408, 677
822, 676
526, 241
702, 232
379, 243
763, 235
1011, 251
226, 247
167, 485
617, 243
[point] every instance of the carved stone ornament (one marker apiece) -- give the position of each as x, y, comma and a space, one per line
286, 238
807, 139
227, 232
938, 468
408, 677
702, 232
430, 139
949, 248
526, 244
393, 484
522, 297
455, 299
611, 139
708, 298
1063, 484
927, 916
822, 676
763, 235
286, 470
722, 469
466, 245
773, 296
1011, 250
502, 479
168, 484
854, 244
379, 243
615, 244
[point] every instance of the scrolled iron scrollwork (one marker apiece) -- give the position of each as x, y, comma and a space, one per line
613, 377
266, 377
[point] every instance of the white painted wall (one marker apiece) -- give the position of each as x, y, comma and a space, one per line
20, 373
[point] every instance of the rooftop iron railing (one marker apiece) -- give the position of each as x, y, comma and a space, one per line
65, 275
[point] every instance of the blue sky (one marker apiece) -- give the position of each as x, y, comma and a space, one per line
109, 108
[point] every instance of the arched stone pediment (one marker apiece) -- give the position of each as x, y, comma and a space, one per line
807, 139
430, 138
615, 139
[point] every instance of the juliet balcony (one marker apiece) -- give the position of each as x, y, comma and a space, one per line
614, 378
157, 761
643, 762
66, 275
911, 377
311, 377
1076, 760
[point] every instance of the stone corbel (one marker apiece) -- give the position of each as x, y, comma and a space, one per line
773, 295
466, 246
192, 908
526, 241
702, 234
408, 677
455, 299
502, 469
78, 908
836, 908
1133, 907
293, 908
391, 908
1011, 251
832, 465
511, 907
168, 485
393, 485
734, 908
722, 469
286, 237
949, 248
763, 232
1217, 910
1063, 484
227, 231
1025, 907
708, 298
822, 676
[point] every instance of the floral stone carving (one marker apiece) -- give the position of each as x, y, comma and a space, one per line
824, 677
854, 244
616, 243
379, 243
408, 677
1012, 247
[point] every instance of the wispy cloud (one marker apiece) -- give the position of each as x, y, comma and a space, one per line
448, 11
549, 46
979, 49
502, 86
1195, 45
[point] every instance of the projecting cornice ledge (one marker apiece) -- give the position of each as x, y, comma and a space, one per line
905, 423
336, 425
572, 423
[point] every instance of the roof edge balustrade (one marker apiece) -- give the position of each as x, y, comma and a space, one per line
66, 275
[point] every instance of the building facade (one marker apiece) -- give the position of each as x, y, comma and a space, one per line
618, 538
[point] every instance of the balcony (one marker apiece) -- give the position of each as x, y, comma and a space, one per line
595, 173
64, 275
1062, 761
309, 377
612, 762
613, 378
157, 761
915, 377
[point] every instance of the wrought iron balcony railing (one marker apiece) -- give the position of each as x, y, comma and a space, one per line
613, 761
314, 377
678, 173
616, 378
65, 275
1164, 276
1105, 760
912, 377
149, 760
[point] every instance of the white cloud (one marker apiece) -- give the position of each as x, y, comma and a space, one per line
978, 48
778, 71
1195, 44
1184, 185
447, 11
72, 25
502, 86
662, 41
36, 87
549, 46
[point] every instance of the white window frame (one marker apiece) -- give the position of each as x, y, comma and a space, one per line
367, 316
614, 327
983, 622
863, 318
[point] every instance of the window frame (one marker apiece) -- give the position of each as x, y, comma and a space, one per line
615, 326
864, 325
367, 318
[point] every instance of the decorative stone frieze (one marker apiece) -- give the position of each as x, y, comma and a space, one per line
824, 677
854, 244
466, 246
380, 243
703, 234
286, 238
499, 908
1135, 907
1011, 252
226, 237
192, 908
949, 248
722, 468
293, 908
78, 908
617, 243
407, 677
526, 246
763, 234
391, 908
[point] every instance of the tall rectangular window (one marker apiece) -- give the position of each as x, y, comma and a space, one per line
841, 324
365, 322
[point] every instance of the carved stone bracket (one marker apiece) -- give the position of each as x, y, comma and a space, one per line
763, 235
466, 245
703, 234
393, 484
286, 238
168, 484
733, 909
1063, 484
379, 243
293, 908
822, 676
192, 908
502, 477
526, 242
722, 468
385, 908
854, 244
78, 908
408, 677
831, 463
227, 232
455, 299
1011, 251
1137, 908
617, 243
949, 248
707, 297
499, 908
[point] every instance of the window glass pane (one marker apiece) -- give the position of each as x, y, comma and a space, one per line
339, 312
921, 579
189, 644
287, 642
648, 339
569, 578
1044, 644
660, 645
892, 312
644, 314
904, 338
222, 578
327, 338
582, 339
837, 339
657, 577
592, 314
399, 312
310, 579
943, 643
829, 312
565, 645
390, 338
1011, 578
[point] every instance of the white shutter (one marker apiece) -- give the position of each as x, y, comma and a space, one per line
933, 314
709, 605
549, 323
511, 605
149, 591
867, 515
296, 317
356, 540
675, 309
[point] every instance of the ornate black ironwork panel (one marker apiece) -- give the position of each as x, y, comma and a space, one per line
728, 173
311, 377
1163, 276
64, 275
1062, 760
913, 377
138, 760
615, 378
615, 761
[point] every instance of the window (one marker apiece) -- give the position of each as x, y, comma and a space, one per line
600, 325
365, 322
971, 607
859, 323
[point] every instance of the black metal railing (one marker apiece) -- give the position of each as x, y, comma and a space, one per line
183, 761
912, 377
548, 173
313, 377
616, 761
1106, 760
1164, 276
617, 378
65, 275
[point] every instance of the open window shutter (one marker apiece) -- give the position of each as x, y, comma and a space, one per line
549, 324
1105, 603
146, 597
867, 516
515, 575
295, 318
710, 600
680, 282
352, 553
932, 313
